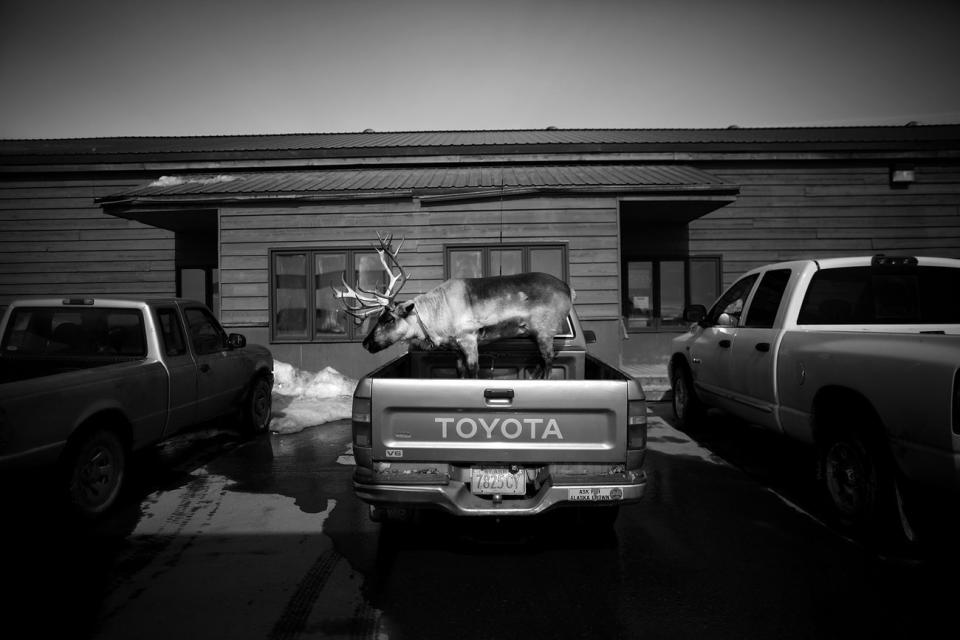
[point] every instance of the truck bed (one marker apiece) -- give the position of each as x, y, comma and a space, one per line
424, 412
505, 443
18, 368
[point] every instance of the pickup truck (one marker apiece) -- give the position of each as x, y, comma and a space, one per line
85, 383
857, 356
502, 444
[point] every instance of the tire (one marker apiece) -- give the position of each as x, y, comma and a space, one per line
94, 469
259, 407
687, 407
857, 481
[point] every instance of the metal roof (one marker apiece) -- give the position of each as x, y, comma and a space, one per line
392, 143
426, 181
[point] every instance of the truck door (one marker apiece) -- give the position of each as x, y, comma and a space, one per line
221, 371
180, 367
710, 352
753, 356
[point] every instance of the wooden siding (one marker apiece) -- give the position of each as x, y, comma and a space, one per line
588, 226
55, 241
789, 212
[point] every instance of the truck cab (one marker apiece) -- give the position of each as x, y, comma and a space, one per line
858, 356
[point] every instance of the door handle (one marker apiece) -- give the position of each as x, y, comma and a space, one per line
763, 347
725, 344
498, 397
204, 368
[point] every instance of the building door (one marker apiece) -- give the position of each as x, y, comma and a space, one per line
659, 277
656, 290
198, 275
201, 284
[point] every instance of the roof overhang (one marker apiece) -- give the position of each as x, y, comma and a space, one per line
670, 210
430, 185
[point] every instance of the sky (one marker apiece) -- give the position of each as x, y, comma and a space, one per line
99, 68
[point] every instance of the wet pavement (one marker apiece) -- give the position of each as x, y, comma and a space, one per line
221, 537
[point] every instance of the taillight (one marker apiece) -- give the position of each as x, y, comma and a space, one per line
636, 424
362, 430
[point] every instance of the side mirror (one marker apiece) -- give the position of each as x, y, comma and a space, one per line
236, 341
589, 336
694, 313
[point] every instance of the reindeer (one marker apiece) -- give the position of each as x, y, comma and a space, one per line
461, 313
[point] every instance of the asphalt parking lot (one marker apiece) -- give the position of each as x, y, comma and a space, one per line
223, 536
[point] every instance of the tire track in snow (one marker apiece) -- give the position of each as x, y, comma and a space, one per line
166, 542
293, 620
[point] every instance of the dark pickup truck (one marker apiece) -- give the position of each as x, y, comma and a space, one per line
503, 444
84, 383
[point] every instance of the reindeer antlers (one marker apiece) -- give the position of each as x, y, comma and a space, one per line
371, 302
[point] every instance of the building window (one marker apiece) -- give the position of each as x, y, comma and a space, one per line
480, 261
655, 291
303, 308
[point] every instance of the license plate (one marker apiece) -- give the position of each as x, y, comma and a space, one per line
595, 494
502, 481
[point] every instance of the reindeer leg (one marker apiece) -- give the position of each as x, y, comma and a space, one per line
545, 343
471, 356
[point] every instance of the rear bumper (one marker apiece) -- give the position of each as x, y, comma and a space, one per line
455, 496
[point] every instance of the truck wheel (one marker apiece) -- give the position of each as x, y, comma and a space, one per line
94, 469
259, 409
857, 481
686, 405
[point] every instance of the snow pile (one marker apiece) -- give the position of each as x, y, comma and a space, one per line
176, 181
314, 398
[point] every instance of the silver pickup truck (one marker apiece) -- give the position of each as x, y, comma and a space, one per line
858, 356
502, 444
86, 382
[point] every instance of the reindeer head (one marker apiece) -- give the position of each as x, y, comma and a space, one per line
391, 325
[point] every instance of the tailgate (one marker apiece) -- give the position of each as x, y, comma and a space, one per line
499, 421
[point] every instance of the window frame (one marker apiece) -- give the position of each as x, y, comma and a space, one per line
656, 294
487, 249
176, 330
722, 305
866, 311
23, 317
354, 332
221, 334
762, 287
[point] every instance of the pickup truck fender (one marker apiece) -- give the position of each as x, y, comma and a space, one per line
146, 429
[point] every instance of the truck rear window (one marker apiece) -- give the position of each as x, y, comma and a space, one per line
70, 331
865, 295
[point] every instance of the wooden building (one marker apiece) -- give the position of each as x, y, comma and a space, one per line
639, 222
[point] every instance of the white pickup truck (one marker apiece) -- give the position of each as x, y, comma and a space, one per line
858, 356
